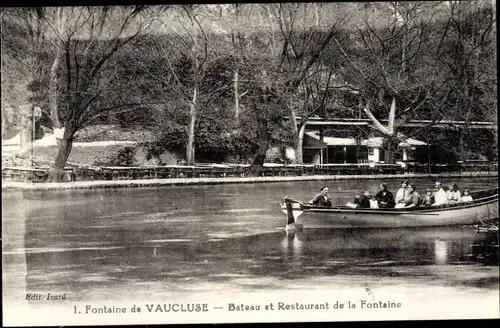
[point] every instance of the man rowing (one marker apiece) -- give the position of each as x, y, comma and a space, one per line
322, 199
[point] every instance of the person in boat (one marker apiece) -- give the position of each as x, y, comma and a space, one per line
412, 198
453, 195
360, 201
401, 194
384, 197
440, 197
466, 197
428, 200
322, 199
371, 199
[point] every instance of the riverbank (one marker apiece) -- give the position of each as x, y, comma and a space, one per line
6, 185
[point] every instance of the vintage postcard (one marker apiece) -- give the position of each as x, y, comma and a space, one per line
249, 162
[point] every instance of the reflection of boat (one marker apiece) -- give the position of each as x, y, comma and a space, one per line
292, 247
301, 215
485, 248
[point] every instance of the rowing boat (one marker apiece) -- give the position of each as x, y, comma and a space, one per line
301, 215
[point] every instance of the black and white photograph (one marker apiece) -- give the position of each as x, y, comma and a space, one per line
182, 163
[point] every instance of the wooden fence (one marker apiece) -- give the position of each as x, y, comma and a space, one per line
90, 173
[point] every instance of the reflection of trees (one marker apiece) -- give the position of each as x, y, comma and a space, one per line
439, 246
14, 237
49, 232
485, 247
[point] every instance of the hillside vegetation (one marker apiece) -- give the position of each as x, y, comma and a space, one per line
226, 82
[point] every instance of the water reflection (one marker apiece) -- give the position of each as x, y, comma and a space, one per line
378, 247
292, 248
485, 247
322, 253
441, 252
15, 269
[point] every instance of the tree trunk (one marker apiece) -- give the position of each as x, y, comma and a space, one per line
4, 120
258, 162
392, 118
299, 155
54, 114
389, 158
428, 152
191, 126
378, 126
295, 131
403, 54
236, 95
462, 146
63, 150
25, 134
316, 11
494, 9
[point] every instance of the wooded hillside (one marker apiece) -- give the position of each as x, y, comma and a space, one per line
218, 81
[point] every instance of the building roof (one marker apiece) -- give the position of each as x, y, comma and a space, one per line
375, 142
313, 142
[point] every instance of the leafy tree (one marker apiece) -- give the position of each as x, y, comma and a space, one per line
87, 38
223, 78
392, 64
25, 63
290, 49
187, 57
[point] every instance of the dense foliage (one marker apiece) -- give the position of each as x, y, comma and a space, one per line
221, 82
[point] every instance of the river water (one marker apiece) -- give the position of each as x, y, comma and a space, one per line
230, 239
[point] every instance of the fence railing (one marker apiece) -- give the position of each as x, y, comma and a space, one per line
89, 173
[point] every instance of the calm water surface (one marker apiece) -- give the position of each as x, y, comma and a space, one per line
153, 241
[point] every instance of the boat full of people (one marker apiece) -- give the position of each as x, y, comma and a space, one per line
436, 207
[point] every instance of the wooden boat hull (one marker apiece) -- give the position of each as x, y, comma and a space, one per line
306, 216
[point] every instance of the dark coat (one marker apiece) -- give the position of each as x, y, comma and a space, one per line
320, 200
362, 201
385, 196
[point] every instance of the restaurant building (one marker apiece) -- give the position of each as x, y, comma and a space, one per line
334, 150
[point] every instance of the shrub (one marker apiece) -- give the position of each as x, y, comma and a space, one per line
124, 157
171, 138
274, 155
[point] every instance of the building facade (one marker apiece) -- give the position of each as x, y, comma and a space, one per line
334, 150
